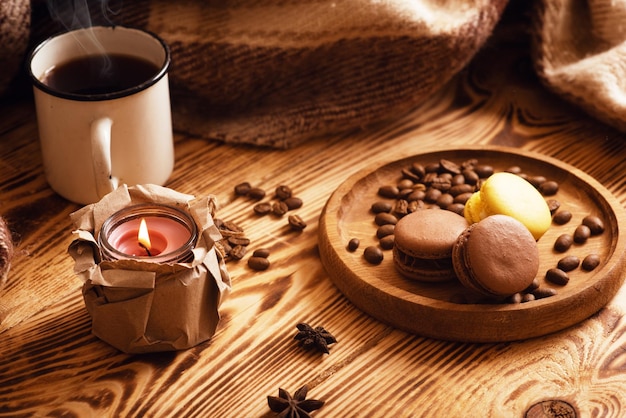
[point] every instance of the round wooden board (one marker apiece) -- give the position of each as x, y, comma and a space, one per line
427, 309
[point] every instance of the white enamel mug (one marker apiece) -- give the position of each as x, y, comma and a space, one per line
91, 143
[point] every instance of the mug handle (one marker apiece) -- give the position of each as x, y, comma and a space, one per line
101, 156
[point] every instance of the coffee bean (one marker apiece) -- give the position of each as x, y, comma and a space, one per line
353, 244
432, 195
544, 292
483, 170
293, 202
380, 207
401, 208
557, 276
536, 181
256, 193
242, 189
458, 180
562, 217
514, 169
595, 224
234, 241
448, 166
569, 263
261, 252
388, 191
385, 218
258, 263
528, 297
283, 192
238, 252
262, 208
553, 206
296, 222
416, 194
279, 208
461, 189
416, 205
463, 198
387, 242
445, 200
590, 262
432, 168
418, 169
385, 230
514, 298
563, 243
549, 188
373, 255
581, 234
405, 184
471, 177
533, 286
457, 208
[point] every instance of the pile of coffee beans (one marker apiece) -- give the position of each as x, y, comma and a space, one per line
234, 244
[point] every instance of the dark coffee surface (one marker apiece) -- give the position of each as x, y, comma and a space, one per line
99, 74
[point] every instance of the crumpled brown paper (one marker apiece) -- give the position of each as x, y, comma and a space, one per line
139, 306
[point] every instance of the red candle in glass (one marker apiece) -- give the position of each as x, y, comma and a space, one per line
167, 236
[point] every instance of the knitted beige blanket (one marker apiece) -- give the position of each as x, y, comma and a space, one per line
275, 73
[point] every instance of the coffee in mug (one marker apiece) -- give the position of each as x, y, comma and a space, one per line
103, 110
99, 74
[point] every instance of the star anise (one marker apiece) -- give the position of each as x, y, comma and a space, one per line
317, 337
296, 406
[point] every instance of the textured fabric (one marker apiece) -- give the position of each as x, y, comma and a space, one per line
580, 53
275, 73
14, 36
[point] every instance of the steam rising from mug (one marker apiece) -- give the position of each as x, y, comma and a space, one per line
75, 14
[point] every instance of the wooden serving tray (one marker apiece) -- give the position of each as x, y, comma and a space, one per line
427, 309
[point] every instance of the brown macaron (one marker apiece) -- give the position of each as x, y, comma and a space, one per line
423, 244
496, 257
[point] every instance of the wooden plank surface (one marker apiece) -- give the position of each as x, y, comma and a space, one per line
50, 364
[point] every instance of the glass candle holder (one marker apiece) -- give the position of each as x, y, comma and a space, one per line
168, 235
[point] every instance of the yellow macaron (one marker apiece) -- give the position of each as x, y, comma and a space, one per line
509, 194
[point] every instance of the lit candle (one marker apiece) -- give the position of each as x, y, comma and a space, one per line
156, 233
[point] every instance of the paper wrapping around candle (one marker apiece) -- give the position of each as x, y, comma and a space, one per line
145, 307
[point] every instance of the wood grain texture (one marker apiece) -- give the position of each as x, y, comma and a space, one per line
51, 365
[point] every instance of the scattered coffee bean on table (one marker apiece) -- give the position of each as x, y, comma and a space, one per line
283, 192
258, 263
261, 252
296, 222
242, 189
256, 193
262, 208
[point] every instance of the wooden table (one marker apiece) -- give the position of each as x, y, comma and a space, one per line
51, 364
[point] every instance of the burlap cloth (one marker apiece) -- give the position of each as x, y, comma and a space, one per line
276, 73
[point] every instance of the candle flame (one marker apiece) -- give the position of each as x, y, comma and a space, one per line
143, 236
